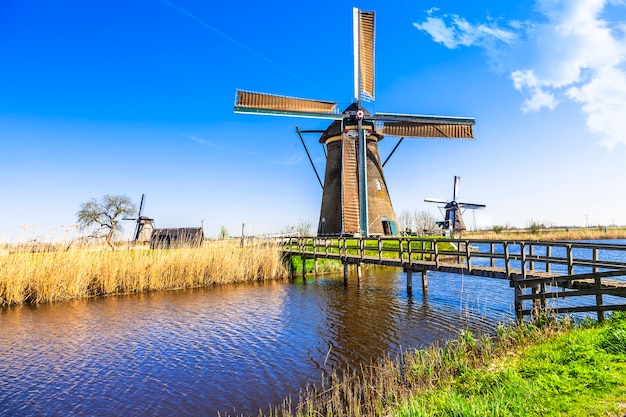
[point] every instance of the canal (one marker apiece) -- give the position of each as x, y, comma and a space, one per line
229, 349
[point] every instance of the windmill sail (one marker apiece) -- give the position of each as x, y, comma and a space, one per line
428, 130
364, 34
252, 102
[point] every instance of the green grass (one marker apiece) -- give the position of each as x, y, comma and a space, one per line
390, 247
579, 373
324, 266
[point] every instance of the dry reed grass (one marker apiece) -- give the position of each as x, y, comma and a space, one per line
550, 234
40, 277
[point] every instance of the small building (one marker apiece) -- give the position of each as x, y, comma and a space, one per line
145, 227
182, 237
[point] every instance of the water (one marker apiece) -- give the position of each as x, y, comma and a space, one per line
235, 348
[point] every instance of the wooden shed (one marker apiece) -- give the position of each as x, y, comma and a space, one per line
183, 237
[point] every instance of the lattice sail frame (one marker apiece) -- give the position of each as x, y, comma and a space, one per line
364, 67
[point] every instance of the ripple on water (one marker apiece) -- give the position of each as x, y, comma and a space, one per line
236, 347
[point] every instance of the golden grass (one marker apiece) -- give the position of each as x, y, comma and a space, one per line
40, 277
550, 234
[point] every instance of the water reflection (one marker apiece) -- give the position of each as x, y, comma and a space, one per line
229, 349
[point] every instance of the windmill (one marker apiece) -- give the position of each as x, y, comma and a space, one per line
144, 227
355, 199
453, 218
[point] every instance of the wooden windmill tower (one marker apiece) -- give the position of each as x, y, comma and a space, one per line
453, 217
355, 198
144, 227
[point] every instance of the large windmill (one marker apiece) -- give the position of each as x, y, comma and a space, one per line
453, 217
355, 199
144, 227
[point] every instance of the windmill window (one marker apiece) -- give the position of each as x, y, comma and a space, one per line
378, 185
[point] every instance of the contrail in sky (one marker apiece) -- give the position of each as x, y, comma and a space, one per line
235, 41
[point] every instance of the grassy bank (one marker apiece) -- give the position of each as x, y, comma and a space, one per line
40, 277
551, 234
324, 266
556, 370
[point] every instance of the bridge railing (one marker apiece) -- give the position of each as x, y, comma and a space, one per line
516, 257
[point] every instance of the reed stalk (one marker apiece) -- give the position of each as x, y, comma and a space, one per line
41, 277
550, 234
428, 381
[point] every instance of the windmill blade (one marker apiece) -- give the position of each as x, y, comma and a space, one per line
272, 104
141, 206
421, 126
436, 200
364, 34
472, 206
455, 193
137, 230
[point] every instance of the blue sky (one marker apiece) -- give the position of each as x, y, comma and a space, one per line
137, 97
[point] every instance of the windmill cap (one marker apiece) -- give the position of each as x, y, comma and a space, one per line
336, 127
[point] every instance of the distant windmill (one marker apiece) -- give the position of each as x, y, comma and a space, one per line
144, 227
453, 219
355, 199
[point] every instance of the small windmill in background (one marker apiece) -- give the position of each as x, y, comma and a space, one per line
355, 198
144, 227
453, 218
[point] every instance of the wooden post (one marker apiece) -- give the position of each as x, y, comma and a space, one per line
345, 272
532, 254
409, 248
570, 260
536, 290
315, 266
519, 315
595, 260
468, 256
507, 260
436, 254
492, 248
548, 256
424, 283
522, 249
380, 250
303, 268
361, 250
409, 281
599, 302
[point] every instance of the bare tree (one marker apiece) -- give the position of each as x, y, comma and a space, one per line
416, 221
424, 220
302, 228
104, 216
405, 222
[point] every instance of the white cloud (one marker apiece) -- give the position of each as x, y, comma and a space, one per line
573, 55
526, 81
461, 32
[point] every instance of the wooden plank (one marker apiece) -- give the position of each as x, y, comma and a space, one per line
618, 292
582, 309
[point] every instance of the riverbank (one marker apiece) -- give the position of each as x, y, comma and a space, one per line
41, 277
557, 369
599, 233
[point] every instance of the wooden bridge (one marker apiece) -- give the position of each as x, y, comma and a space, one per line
591, 276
